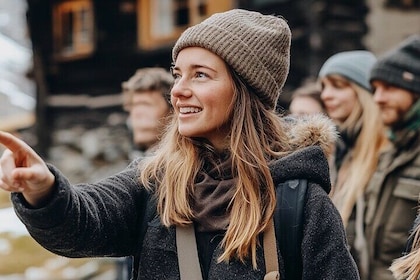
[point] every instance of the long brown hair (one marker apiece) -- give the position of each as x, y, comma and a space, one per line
256, 137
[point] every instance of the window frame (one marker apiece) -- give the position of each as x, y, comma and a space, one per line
81, 29
149, 16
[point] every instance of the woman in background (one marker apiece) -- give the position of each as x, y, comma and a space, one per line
348, 100
306, 100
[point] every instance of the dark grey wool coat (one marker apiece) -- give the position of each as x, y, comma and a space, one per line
104, 219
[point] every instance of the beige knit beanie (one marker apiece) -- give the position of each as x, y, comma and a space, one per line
256, 46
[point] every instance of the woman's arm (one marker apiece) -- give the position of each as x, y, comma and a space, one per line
100, 219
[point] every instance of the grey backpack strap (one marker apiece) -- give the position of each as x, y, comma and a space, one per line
188, 262
270, 254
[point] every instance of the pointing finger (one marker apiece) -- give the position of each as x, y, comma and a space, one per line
12, 143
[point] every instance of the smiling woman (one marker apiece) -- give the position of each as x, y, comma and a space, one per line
214, 179
202, 96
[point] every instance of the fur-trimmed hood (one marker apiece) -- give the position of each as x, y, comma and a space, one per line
312, 140
310, 130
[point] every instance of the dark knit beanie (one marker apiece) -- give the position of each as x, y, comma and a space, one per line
352, 65
256, 46
400, 66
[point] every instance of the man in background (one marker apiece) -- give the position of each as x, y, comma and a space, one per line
146, 98
393, 191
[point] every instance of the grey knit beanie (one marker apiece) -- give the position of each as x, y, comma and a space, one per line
352, 65
256, 46
400, 66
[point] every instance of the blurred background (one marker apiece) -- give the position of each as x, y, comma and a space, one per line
62, 63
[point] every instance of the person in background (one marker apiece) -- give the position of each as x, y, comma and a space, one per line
213, 175
305, 102
347, 96
306, 99
393, 192
146, 98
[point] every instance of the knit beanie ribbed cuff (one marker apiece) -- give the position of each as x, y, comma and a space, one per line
401, 66
352, 65
396, 76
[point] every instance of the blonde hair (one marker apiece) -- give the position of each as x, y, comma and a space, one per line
256, 137
357, 170
408, 266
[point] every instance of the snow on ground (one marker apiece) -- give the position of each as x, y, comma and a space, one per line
10, 223
14, 56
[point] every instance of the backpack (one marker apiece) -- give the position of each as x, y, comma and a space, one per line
288, 221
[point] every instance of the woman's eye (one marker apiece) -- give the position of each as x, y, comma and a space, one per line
201, 75
340, 84
176, 75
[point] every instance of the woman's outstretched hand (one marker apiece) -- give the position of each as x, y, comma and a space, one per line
23, 170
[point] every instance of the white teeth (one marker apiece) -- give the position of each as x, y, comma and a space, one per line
186, 110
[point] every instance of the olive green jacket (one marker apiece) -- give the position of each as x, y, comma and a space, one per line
391, 201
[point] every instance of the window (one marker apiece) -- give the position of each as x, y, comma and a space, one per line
160, 22
73, 29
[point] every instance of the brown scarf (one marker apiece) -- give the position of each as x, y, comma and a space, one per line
214, 189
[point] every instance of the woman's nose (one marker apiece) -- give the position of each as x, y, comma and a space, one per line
181, 88
327, 93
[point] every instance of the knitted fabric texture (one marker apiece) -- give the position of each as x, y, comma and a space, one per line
400, 66
352, 65
256, 46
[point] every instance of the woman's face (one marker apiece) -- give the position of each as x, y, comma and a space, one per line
305, 105
338, 97
202, 95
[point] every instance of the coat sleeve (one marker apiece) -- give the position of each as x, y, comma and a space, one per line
324, 246
88, 220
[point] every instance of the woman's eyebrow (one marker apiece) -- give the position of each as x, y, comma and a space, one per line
195, 66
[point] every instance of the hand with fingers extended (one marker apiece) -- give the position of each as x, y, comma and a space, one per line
23, 170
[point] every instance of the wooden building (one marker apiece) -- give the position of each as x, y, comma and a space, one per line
84, 49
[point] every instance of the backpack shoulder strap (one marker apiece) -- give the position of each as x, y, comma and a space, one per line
288, 220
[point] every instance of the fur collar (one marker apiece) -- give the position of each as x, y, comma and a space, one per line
312, 130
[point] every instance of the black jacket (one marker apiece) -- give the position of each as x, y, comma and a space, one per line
105, 219
102, 219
